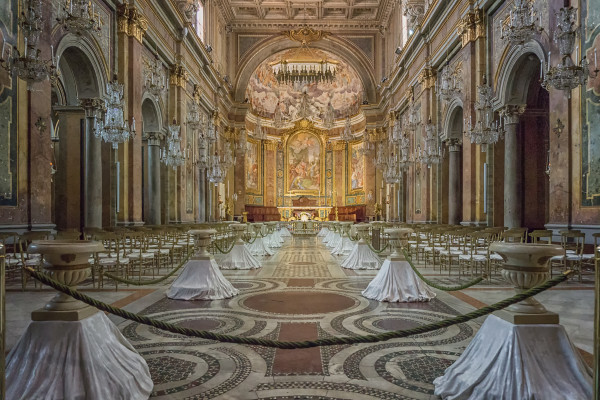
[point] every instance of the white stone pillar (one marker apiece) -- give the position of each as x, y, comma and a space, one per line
154, 209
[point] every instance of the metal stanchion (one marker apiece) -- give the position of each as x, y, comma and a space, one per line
2, 323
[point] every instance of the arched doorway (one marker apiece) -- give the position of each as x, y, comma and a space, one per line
524, 107
453, 168
76, 102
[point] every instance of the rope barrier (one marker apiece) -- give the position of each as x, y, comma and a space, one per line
437, 286
221, 250
150, 282
334, 341
377, 251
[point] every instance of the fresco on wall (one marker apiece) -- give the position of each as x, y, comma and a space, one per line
304, 162
265, 94
357, 170
253, 166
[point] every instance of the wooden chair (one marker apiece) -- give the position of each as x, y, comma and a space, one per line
541, 236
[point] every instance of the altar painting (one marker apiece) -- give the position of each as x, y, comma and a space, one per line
304, 163
253, 165
356, 162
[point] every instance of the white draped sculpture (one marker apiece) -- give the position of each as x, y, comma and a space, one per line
239, 257
361, 256
258, 247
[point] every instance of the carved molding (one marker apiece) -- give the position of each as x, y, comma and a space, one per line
305, 35
427, 78
92, 106
471, 27
511, 113
131, 22
179, 75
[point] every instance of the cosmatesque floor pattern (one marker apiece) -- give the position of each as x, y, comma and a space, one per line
302, 293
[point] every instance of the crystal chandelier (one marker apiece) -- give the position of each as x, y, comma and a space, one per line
567, 75
172, 155
29, 66
405, 160
346, 135
413, 119
154, 77
304, 67
216, 170
114, 129
396, 131
486, 129
522, 23
391, 174
381, 160
259, 132
79, 17
368, 145
449, 86
431, 152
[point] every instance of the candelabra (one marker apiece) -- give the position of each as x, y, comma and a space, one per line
172, 155
431, 153
449, 86
346, 135
522, 23
114, 129
79, 17
486, 129
154, 77
567, 75
29, 66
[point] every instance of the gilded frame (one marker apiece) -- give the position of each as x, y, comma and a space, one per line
349, 170
286, 182
259, 179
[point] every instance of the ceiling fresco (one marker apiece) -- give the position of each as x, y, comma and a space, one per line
265, 94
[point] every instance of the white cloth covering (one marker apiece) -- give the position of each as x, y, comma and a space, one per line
361, 257
508, 361
328, 237
271, 241
323, 232
259, 248
334, 241
201, 280
397, 282
285, 233
239, 258
345, 246
88, 359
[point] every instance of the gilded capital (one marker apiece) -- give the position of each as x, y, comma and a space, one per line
511, 113
427, 78
131, 22
92, 106
471, 27
179, 75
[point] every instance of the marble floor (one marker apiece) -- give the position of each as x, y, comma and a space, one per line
302, 293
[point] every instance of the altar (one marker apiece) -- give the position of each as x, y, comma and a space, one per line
304, 209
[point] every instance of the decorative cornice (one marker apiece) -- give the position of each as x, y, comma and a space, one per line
471, 27
131, 22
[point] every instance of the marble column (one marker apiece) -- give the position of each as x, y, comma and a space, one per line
454, 192
154, 209
203, 162
93, 164
513, 210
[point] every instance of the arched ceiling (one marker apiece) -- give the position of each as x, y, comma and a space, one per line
265, 94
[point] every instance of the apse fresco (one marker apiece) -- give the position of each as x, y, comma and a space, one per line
356, 167
264, 93
304, 162
252, 166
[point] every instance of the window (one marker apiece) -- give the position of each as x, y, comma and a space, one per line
200, 21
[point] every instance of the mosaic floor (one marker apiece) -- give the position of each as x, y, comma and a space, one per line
302, 293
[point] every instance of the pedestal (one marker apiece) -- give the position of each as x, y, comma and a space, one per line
88, 359
507, 361
239, 257
201, 278
361, 257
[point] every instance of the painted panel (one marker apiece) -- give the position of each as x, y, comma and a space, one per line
303, 169
253, 167
356, 163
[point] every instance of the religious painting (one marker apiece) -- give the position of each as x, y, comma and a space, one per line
253, 166
304, 163
266, 94
356, 170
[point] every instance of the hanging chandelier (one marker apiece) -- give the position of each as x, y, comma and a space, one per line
405, 159
305, 67
172, 155
346, 135
154, 77
29, 66
368, 145
396, 131
216, 170
567, 75
486, 129
79, 17
431, 152
391, 174
449, 86
413, 118
381, 160
114, 129
521, 26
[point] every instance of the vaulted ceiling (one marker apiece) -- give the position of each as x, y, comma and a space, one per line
343, 14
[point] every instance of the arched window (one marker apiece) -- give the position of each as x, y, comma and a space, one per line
200, 21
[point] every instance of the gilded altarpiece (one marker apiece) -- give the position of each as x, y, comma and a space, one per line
590, 111
8, 112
